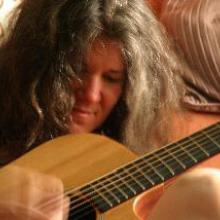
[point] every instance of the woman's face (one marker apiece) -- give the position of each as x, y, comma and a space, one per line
103, 75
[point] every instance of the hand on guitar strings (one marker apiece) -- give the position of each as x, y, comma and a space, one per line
29, 195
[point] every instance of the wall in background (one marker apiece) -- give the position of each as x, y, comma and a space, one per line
5, 8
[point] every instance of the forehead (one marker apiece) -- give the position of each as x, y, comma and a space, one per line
104, 45
106, 51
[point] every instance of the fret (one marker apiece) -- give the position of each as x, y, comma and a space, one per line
213, 129
191, 155
184, 148
134, 179
197, 151
100, 201
209, 144
203, 150
213, 140
150, 173
117, 187
169, 168
216, 137
147, 176
128, 189
150, 180
182, 166
79, 206
136, 168
108, 192
199, 146
104, 195
130, 181
212, 148
156, 171
121, 190
206, 141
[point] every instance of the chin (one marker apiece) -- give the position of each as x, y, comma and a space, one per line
77, 129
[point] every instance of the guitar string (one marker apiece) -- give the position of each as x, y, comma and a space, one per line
124, 177
84, 202
163, 153
108, 181
84, 208
84, 213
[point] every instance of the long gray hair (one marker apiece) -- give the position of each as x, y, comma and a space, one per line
36, 74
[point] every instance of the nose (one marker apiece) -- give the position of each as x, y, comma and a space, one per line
90, 90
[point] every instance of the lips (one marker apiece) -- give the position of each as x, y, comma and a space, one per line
82, 113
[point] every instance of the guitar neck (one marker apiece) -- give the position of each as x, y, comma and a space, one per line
152, 169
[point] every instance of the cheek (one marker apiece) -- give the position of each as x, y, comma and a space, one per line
112, 97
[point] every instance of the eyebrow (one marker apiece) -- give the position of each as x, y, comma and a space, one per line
117, 72
84, 65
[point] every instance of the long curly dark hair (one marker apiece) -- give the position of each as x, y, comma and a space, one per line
36, 95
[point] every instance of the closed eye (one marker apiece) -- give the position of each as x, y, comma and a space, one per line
113, 79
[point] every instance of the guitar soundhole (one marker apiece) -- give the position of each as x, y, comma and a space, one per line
81, 210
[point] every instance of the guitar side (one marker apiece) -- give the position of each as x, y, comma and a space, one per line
79, 159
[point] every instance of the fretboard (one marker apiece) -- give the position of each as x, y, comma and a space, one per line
152, 169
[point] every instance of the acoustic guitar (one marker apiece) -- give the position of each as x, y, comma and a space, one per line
102, 177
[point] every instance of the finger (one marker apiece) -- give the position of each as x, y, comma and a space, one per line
66, 208
53, 202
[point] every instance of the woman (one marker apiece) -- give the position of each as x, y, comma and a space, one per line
44, 61
85, 66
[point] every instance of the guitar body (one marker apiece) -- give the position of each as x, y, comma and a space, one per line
79, 159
